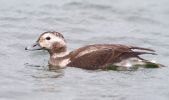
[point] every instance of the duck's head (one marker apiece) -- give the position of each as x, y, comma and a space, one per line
53, 42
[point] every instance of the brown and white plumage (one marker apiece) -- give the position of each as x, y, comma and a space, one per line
103, 55
97, 56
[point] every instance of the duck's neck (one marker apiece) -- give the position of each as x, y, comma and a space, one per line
60, 50
61, 55
59, 58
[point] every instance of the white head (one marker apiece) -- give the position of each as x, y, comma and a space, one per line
51, 41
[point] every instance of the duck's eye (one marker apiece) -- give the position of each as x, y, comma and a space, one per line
47, 38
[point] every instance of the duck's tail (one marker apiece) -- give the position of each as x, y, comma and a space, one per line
147, 63
141, 48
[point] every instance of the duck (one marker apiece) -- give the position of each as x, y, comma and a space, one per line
91, 57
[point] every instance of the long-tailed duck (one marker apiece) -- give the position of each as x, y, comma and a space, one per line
97, 56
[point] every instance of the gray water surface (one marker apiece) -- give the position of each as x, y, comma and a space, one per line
25, 75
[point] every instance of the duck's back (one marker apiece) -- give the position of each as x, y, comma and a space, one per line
101, 55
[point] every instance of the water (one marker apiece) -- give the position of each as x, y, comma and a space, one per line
24, 75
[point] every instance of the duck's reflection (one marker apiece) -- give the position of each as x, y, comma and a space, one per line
45, 71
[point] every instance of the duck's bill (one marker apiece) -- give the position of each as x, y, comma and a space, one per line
33, 47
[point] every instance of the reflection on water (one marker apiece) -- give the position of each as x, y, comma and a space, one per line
45, 72
25, 75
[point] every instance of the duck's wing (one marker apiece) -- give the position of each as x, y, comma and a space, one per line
97, 59
92, 48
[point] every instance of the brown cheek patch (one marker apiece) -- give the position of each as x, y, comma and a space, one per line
56, 46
